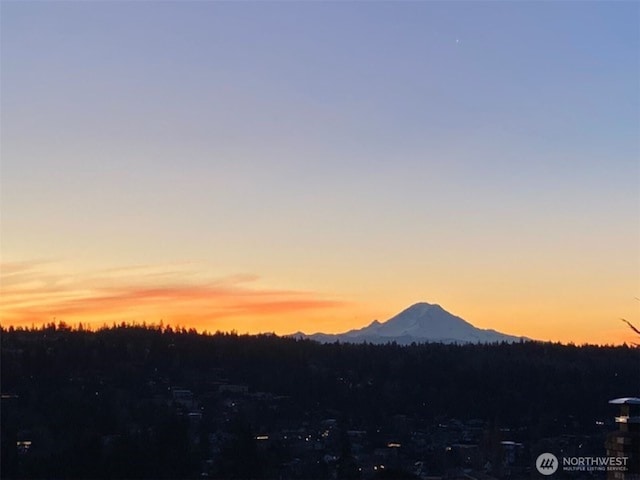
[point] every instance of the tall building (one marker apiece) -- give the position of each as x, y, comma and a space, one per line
625, 442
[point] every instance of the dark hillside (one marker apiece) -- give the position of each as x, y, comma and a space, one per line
151, 402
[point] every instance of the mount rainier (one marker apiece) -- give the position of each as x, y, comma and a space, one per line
420, 323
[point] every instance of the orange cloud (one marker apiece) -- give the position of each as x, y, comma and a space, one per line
32, 295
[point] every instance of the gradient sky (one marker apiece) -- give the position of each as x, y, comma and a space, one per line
284, 166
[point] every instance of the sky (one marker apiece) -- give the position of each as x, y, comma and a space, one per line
312, 166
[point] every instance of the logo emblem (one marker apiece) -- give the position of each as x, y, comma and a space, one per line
547, 463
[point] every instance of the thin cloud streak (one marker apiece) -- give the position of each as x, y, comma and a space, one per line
39, 297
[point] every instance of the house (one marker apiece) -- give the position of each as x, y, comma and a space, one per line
625, 442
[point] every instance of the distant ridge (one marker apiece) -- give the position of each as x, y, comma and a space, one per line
420, 323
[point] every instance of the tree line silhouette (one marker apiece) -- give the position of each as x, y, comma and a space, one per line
91, 398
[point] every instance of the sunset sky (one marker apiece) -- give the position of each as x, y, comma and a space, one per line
286, 166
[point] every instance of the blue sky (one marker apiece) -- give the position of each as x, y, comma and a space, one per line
483, 155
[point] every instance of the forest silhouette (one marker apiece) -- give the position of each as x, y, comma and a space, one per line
111, 403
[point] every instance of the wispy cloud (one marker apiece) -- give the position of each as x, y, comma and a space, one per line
33, 293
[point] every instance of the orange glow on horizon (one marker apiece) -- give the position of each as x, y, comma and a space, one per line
31, 297
33, 294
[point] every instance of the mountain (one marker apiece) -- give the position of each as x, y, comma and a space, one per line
420, 323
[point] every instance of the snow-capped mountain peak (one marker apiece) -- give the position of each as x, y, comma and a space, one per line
420, 323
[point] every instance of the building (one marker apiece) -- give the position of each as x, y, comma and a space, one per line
625, 442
